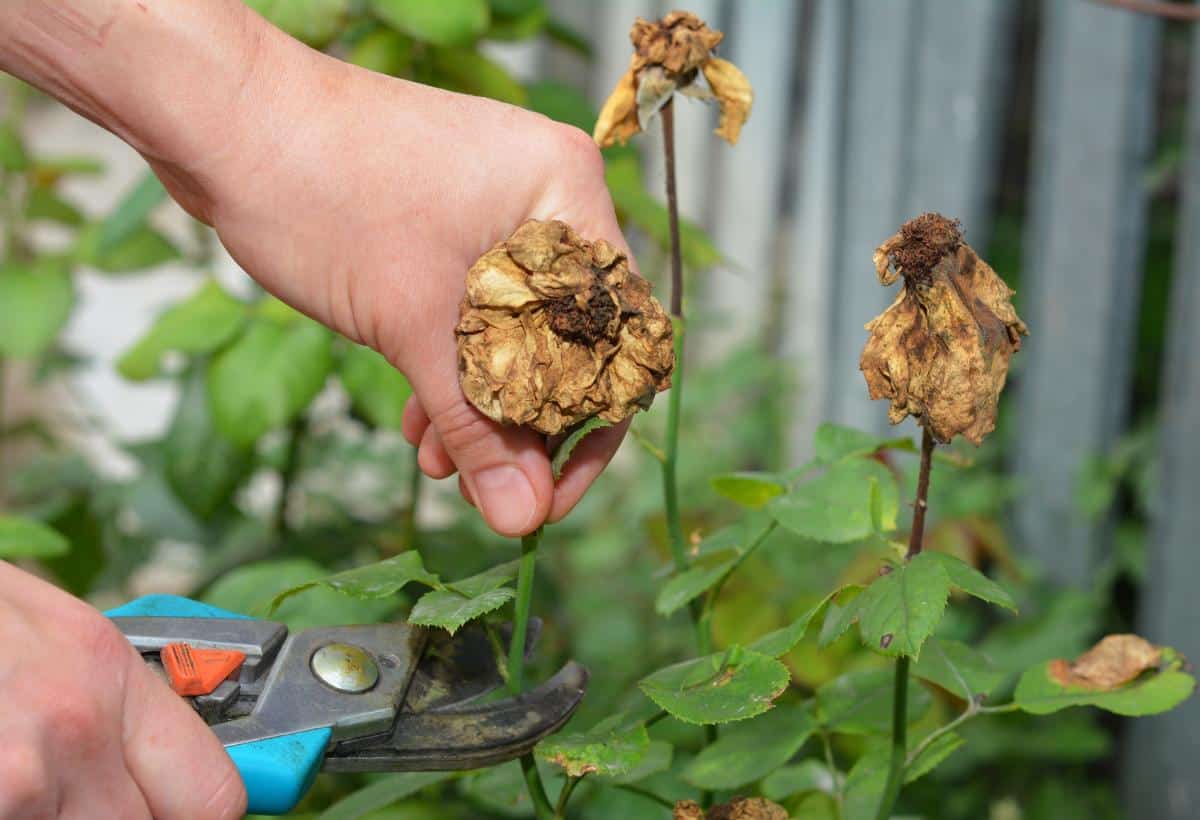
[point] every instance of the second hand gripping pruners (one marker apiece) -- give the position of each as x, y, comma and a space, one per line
371, 698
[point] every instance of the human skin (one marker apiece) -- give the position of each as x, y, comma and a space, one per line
358, 199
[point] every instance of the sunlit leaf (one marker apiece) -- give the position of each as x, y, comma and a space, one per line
843, 612
35, 302
378, 390
316, 22
840, 505
130, 213
957, 668
805, 776
200, 324
385, 51
860, 702
781, 641
752, 490
444, 23
681, 589
1042, 690
833, 442
466, 70
379, 580
718, 688
973, 582
563, 103
454, 604
26, 538
610, 753
901, 608
44, 204
752, 749
562, 454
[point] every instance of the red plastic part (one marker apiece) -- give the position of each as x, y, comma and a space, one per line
196, 671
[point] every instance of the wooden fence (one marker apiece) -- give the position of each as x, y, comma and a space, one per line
871, 111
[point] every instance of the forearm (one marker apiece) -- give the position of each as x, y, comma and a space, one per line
167, 76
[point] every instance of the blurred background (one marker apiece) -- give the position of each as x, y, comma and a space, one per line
1065, 134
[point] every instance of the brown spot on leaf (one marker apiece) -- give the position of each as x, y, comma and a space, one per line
886, 640
1113, 662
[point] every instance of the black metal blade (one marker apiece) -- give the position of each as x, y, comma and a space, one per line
466, 737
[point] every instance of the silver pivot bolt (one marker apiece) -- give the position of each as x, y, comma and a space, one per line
345, 667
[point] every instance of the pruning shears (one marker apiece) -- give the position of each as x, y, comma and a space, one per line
385, 697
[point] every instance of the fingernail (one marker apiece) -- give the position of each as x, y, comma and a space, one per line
506, 498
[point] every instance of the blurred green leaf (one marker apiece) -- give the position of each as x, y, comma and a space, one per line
385, 51
466, 70
633, 203
378, 390
562, 454
860, 702
718, 688
843, 611
26, 538
965, 577
752, 490
44, 204
381, 794
840, 505
13, 156
1154, 692
752, 749
200, 324
373, 581
805, 776
268, 377
610, 753
202, 467
680, 589
142, 248
566, 36
35, 302
47, 171
562, 103
901, 608
957, 668
454, 604
833, 442
130, 213
444, 23
514, 8
781, 641
932, 756
518, 27
316, 22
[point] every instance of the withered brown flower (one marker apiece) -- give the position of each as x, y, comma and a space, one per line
670, 55
739, 808
941, 351
555, 329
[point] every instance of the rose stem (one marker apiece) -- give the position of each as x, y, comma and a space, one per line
408, 521
916, 539
516, 663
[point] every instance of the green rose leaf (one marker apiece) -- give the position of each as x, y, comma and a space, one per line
370, 582
806, 776
35, 303
752, 749
445, 23
44, 204
957, 668
385, 51
131, 213
13, 156
693, 581
900, 609
316, 22
868, 776
610, 753
832, 442
860, 702
751, 490
381, 794
201, 324
853, 499
718, 688
781, 641
843, 612
26, 538
454, 604
377, 390
973, 582
932, 756
1039, 693
268, 377
142, 248
562, 454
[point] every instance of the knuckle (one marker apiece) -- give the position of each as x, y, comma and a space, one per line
580, 150
462, 426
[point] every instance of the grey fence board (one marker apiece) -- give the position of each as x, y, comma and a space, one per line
1079, 281
1160, 772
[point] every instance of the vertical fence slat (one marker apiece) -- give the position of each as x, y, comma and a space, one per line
1080, 280
1160, 771
750, 175
874, 175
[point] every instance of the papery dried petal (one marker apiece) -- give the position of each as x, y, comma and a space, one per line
940, 353
733, 92
680, 42
555, 329
618, 120
1113, 662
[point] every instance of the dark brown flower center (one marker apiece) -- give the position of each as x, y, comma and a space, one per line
925, 240
584, 325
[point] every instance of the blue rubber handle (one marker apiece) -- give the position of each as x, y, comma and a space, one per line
277, 771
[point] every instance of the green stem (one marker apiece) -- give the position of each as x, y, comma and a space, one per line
408, 522
971, 711
916, 539
560, 810
839, 797
537, 792
895, 777
516, 647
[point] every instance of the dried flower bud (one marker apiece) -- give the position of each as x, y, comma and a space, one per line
941, 351
1112, 663
555, 329
669, 56
739, 808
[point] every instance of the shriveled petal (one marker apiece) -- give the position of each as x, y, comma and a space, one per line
618, 120
733, 92
680, 42
1113, 662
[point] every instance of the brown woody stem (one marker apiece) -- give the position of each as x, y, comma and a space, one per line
668, 123
916, 537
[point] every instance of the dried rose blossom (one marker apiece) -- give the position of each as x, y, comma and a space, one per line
555, 329
739, 808
941, 351
669, 56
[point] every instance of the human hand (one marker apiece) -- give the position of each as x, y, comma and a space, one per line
88, 729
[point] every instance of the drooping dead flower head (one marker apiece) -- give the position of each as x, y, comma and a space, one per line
739, 808
555, 329
1113, 662
941, 351
672, 55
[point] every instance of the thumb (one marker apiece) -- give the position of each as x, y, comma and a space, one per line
505, 469
179, 765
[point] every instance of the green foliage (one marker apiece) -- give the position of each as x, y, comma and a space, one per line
852, 500
1154, 692
374, 581
381, 794
199, 325
901, 608
681, 589
606, 752
832, 442
445, 23
562, 453
751, 490
957, 668
752, 749
35, 302
377, 390
130, 214
860, 702
736, 685
453, 605
468, 71
26, 538
316, 22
